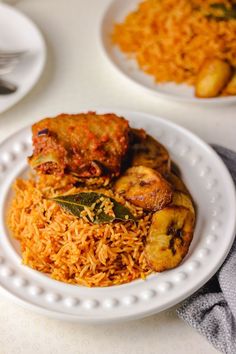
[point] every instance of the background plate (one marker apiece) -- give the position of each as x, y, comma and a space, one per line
116, 12
20, 33
213, 191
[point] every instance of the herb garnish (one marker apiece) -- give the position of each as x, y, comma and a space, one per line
77, 203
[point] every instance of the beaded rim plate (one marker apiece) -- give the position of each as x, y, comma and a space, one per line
18, 32
213, 191
116, 12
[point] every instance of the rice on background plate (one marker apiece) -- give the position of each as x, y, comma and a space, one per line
171, 39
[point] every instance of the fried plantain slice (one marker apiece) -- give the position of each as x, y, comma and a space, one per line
181, 195
231, 87
169, 237
213, 76
144, 187
183, 199
176, 182
146, 151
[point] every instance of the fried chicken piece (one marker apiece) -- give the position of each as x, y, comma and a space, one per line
84, 145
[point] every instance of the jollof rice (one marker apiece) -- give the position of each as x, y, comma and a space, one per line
171, 39
72, 249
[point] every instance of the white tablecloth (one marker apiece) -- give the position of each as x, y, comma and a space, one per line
78, 76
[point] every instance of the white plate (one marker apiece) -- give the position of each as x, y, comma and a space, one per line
213, 191
19, 33
116, 12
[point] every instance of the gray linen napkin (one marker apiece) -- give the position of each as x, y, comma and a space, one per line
212, 309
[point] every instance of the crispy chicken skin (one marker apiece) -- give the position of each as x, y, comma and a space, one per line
171, 230
85, 145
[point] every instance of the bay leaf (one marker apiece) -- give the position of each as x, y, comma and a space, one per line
76, 203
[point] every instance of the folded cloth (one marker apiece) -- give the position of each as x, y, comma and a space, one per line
212, 309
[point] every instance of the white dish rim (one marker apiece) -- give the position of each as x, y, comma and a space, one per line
140, 313
19, 96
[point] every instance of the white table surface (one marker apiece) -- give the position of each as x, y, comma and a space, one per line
78, 76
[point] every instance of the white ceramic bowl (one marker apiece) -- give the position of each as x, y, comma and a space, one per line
213, 191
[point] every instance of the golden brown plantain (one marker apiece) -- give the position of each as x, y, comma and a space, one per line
184, 200
212, 78
169, 237
231, 87
146, 151
144, 187
181, 195
176, 182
